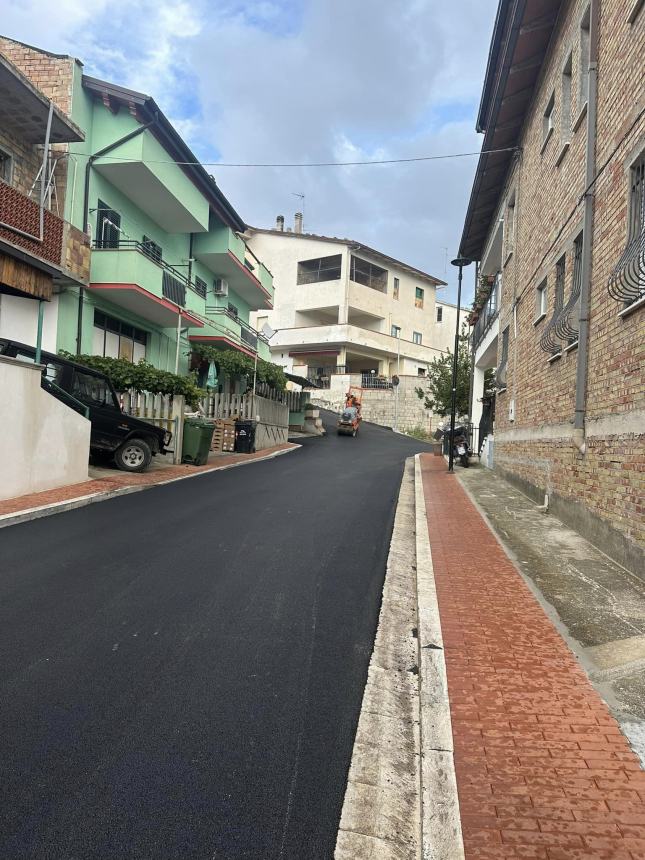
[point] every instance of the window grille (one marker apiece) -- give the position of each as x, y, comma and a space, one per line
566, 327
627, 280
548, 341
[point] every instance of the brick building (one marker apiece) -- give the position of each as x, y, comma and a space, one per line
556, 221
41, 254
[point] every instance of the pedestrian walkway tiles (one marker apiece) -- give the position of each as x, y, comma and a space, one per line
543, 770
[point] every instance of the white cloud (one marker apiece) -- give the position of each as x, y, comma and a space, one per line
298, 81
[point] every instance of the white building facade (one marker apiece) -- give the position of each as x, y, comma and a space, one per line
343, 308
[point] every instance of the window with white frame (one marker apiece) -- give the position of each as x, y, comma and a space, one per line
541, 301
565, 107
6, 166
547, 119
585, 56
395, 331
417, 337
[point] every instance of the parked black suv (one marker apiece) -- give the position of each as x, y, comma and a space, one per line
131, 441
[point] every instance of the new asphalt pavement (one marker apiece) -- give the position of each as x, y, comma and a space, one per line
182, 669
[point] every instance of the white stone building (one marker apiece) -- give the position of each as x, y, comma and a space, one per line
343, 308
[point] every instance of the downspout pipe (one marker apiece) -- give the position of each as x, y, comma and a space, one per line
585, 286
86, 195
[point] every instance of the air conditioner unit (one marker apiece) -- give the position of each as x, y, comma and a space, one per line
220, 287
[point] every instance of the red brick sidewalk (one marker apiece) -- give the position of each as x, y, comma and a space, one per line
115, 479
543, 770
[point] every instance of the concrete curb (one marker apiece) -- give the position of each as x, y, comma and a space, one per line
82, 501
440, 818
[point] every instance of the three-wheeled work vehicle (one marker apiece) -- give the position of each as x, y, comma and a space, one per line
350, 419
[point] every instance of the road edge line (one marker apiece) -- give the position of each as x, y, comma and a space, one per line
14, 519
441, 835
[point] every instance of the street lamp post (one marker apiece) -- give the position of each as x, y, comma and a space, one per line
460, 262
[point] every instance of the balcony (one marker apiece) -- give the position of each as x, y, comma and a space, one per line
139, 168
313, 340
227, 256
129, 277
487, 315
224, 330
369, 301
62, 253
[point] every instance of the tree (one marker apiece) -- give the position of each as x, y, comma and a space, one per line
438, 392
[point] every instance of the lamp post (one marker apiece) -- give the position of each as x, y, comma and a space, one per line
460, 262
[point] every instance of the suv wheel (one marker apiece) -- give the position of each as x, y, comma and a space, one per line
133, 456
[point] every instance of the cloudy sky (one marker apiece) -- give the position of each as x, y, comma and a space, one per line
293, 81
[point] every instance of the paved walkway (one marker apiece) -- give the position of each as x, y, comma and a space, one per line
543, 770
104, 480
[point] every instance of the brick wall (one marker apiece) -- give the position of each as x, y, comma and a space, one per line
54, 77
548, 181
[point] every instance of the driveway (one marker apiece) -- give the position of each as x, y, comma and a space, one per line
182, 668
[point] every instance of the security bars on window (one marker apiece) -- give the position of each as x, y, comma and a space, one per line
548, 341
627, 280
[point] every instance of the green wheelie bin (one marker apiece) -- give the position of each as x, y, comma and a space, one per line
198, 434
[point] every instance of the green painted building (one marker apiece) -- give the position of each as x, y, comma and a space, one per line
168, 267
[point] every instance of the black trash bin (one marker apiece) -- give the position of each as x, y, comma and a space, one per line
244, 437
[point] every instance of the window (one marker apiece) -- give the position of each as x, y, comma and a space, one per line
395, 291
108, 226
200, 287
320, 269
92, 390
547, 120
362, 272
151, 249
509, 225
585, 56
541, 299
233, 310
439, 313
6, 166
565, 108
417, 337
418, 297
627, 280
421, 371
114, 338
395, 331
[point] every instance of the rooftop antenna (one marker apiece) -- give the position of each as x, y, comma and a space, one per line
302, 206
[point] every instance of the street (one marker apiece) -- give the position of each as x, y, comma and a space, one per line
183, 668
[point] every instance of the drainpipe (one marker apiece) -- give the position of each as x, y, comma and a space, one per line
86, 195
585, 287
471, 382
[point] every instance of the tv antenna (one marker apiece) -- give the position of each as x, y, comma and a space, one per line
302, 205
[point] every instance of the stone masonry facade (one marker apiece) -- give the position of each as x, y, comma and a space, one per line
601, 491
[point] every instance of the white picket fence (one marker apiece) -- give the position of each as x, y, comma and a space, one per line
228, 406
163, 410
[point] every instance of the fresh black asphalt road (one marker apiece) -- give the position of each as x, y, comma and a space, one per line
182, 668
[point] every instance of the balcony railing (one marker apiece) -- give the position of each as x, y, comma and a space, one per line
174, 282
247, 334
487, 316
20, 225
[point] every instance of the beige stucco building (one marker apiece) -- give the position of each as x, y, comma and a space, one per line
342, 307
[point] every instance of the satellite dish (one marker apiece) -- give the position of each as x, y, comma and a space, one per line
267, 331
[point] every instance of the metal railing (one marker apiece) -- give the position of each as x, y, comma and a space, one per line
170, 272
487, 316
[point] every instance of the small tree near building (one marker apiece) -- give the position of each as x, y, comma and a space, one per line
437, 395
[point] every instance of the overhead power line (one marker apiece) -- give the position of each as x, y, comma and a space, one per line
316, 163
